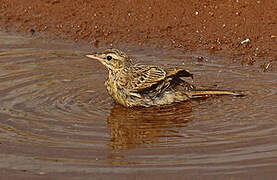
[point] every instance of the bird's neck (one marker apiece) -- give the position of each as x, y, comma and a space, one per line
114, 75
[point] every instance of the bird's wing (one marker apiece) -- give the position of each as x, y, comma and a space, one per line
145, 77
178, 72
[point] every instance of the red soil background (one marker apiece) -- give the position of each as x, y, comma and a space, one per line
214, 25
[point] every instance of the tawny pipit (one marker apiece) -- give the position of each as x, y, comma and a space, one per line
147, 85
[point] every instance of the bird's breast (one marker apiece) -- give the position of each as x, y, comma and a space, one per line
115, 92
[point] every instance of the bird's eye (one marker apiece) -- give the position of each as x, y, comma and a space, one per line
109, 58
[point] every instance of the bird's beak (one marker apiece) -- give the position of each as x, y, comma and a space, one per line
94, 56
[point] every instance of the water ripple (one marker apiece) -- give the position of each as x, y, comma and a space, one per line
54, 106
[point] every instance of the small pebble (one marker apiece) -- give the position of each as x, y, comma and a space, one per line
245, 41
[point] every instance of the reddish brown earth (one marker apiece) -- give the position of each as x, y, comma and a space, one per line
186, 25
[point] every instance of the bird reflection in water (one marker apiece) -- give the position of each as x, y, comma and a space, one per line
147, 127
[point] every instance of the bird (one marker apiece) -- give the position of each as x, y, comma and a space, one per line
140, 85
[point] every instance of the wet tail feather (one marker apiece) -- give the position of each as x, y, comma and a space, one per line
206, 92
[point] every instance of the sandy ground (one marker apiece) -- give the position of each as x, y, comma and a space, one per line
246, 29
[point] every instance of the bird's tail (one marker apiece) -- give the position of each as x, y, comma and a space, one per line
207, 93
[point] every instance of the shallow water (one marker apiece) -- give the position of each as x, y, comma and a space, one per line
57, 119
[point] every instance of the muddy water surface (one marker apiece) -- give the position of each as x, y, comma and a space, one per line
56, 118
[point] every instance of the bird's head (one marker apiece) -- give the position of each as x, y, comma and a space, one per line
113, 59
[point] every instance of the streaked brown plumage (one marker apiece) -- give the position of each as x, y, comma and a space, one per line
147, 85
